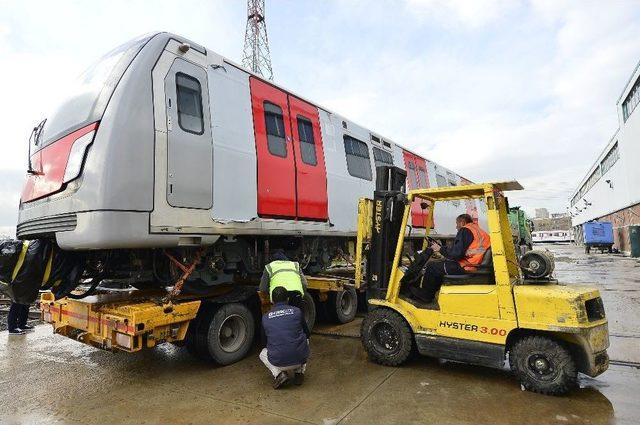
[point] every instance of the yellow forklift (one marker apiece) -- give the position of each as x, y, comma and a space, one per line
506, 309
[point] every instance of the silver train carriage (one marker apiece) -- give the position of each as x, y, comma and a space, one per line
166, 146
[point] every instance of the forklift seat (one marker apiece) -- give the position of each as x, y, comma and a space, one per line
480, 275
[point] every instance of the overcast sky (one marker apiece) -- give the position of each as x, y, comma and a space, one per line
495, 90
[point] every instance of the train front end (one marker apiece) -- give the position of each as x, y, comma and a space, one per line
90, 162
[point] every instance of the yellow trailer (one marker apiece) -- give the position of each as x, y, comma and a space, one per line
218, 326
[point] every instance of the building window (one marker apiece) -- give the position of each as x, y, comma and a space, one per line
276, 142
632, 100
381, 157
189, 94
610, 159
358, 160
307, 143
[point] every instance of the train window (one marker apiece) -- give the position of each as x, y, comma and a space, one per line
307, 144
422, 177
442, 182
275, 130
382, 157
413, 178
189, 94
358, 160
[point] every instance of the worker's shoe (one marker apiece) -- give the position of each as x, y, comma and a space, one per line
298, 378
17, 331
280, 380
28, 328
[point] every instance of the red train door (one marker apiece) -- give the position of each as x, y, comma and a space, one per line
311, 174
417, 215
274, 151
292, 178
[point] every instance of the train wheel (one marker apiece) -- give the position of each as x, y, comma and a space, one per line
342, 306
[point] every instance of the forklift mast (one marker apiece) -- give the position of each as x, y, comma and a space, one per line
388, 209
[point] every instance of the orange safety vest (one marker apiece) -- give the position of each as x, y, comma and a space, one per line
480, 244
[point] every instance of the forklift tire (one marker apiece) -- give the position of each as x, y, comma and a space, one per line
386, 337
543, 365
342, 306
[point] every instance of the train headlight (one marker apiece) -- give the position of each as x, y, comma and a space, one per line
76, 156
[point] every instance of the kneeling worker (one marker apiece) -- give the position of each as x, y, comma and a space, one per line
287, 340
468, 250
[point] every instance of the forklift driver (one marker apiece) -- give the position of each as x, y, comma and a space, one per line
465, 255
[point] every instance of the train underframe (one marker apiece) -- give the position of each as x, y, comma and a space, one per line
232, 259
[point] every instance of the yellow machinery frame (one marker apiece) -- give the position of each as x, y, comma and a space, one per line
488, 313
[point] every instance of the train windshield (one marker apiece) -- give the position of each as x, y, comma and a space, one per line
88, 96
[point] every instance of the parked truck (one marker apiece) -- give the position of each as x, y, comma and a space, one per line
521, 228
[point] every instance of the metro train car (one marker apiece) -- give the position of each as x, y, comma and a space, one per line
166, 146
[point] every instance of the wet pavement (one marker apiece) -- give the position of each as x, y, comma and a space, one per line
46, 378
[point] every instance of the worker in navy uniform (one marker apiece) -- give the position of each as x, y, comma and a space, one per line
285, 273
465, 255
287, 340
17, 319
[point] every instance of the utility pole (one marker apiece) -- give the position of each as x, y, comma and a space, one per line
256, 55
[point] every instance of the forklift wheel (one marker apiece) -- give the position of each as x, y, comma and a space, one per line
543, 365
343, 305
386, 337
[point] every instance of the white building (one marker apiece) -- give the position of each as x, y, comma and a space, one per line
610, 191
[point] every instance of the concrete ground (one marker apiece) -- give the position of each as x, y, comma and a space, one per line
46, 378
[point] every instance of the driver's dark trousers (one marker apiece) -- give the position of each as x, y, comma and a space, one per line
434, 272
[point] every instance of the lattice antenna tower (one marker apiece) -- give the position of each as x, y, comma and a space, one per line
256, 55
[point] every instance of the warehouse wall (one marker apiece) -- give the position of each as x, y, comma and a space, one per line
614, 200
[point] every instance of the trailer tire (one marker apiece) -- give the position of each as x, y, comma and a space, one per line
386, 337
197, 332
309, 310
342, 306
543, 365
229, 333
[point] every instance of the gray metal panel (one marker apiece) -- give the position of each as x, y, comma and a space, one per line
343, 190
234, 149
189, 155
121, 229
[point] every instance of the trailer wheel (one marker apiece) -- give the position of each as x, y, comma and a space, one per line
386, 337
309, 310
342, 306
229, 334
543, 365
